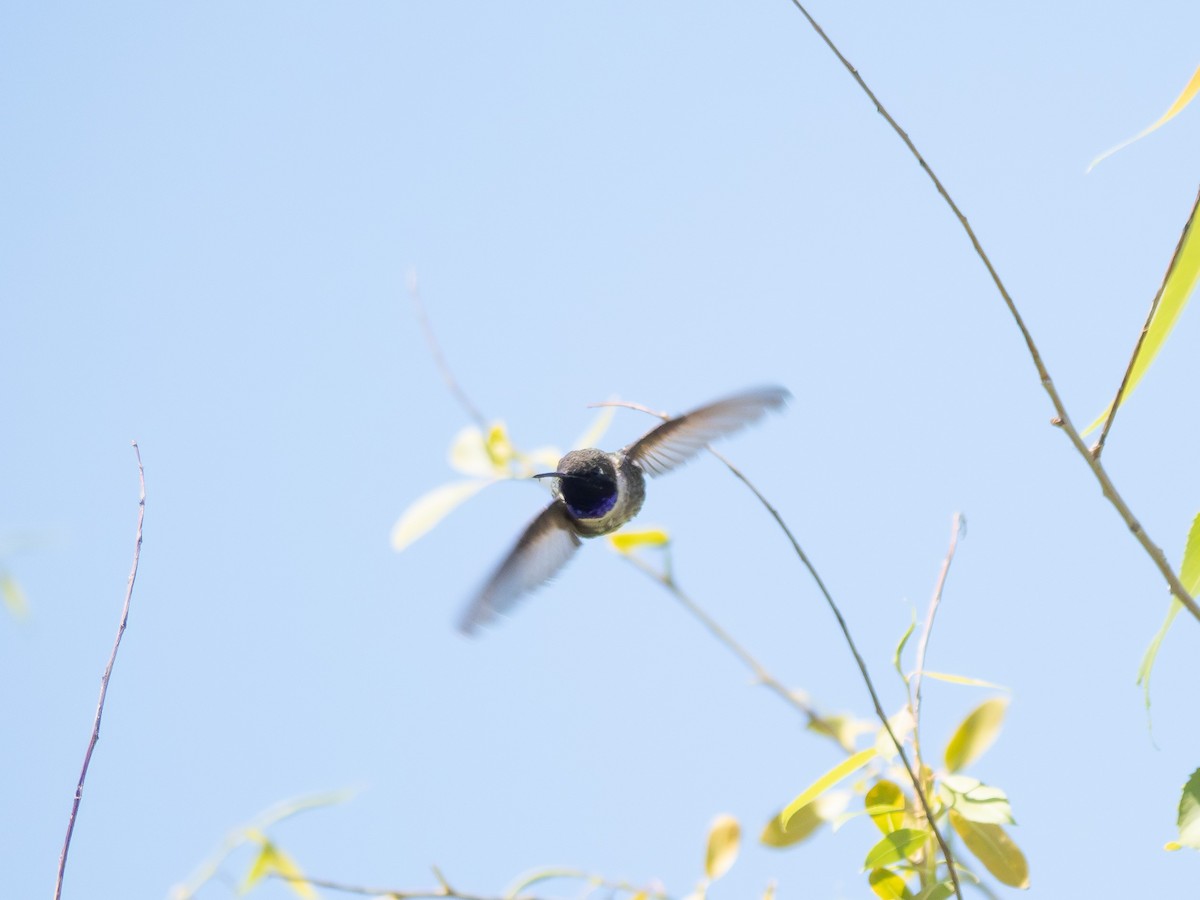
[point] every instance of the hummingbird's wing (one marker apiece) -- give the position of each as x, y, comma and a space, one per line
540, 552
677, 440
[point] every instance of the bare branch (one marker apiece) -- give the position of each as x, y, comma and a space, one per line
957, 529
913, 775
112, 658
435, 351
1061, 418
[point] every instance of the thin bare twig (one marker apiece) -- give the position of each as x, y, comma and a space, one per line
761, 675
1137, 347
913, 775
444, 890
435, 350
1061, 418
112, 658
956, 531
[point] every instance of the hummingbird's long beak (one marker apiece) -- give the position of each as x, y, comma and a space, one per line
555, 475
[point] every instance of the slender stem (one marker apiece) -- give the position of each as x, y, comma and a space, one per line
1061, 418
445, 890
112, 658
435, 350
913, 775
761, 675
1137, 348
956, 531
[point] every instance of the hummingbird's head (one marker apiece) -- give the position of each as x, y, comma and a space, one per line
587, 482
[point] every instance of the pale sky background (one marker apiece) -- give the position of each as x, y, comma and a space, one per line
209, 211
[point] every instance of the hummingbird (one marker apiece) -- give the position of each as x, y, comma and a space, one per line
595, 493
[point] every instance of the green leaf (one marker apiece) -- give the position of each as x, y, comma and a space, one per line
886, 804
963, 679
14, 597
888, 885
1189, 569
430, 509
1189, 576
902, 727
939, 891
974, 800
825, 782
1189, 813
995, 849
844, 729
806, 821
1184, 98
976, 733
1173, 294
724, 838
900, 646
897, 846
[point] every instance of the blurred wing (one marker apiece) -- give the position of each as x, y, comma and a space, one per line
677, 440
540, 552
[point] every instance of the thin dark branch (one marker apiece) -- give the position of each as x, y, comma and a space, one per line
112, 658
435, 350
956, 531
913, 775
1137, 347
444, 890
761, 675
1061, 418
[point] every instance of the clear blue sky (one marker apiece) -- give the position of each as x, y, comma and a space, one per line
209, 210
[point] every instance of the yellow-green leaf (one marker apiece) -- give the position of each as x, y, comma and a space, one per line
825, 782
469, 455
897, 846
886, 804
940, 891
724, 837
806, 820
976, 733
499, 447
975, 800
1189, 813
1189, 576
591, 437
430, 509
628, 541
888, 885
273, 861
1173, 294
995, 849
963, 679
902, 726
1180, 102
1189, 569
900, 646
842, 728
14, 597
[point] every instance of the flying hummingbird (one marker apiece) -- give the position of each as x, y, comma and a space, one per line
596, 493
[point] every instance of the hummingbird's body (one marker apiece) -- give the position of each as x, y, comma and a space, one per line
602, 491
595, 493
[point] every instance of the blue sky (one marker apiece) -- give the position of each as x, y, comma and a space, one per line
210, 213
